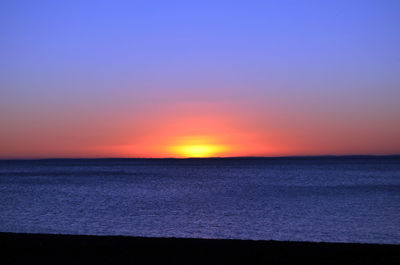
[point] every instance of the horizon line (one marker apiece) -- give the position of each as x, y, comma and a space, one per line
213, 157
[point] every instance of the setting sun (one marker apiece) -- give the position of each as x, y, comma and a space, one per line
198, 150
198, 146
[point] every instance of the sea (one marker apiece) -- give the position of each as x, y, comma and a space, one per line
319, 199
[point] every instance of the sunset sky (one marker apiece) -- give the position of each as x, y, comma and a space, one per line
199, 78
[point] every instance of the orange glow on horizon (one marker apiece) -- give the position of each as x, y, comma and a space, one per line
202, 130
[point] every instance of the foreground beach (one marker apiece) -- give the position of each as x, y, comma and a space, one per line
76, 249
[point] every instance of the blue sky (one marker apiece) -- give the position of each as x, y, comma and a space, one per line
284, 64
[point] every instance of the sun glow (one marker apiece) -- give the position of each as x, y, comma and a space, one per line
203, 146
198, 150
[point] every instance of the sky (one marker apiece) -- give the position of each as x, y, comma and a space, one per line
199, 78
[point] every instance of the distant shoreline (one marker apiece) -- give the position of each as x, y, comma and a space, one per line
84, 249
394, 156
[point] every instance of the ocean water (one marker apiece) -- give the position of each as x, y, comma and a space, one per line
350, 199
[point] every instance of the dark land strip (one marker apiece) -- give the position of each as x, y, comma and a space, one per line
80, 249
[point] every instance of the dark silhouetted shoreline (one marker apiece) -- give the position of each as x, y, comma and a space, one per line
77, 249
